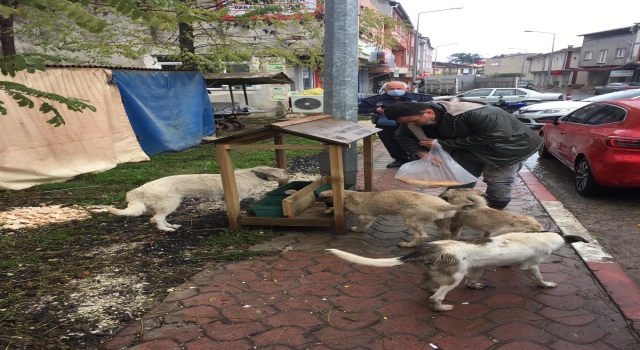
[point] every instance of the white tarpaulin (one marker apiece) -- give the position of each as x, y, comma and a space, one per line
34, 152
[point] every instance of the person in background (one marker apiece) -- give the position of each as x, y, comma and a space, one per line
374, 106
485, 140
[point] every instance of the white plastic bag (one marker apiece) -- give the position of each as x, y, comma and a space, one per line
436, 169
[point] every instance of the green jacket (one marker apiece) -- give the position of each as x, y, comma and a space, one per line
490, 133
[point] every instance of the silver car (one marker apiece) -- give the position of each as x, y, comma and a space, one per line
492, 95
613, 87
539, 114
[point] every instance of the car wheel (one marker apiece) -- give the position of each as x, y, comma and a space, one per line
586, 184
595, 92
543, 152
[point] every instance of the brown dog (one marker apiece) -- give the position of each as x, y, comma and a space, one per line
493, 222
416, 209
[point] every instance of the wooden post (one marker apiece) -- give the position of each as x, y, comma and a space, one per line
229, 186
368, 162
281, 155
337, 185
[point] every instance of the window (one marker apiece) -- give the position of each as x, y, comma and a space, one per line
505, 92
607, 114
581, 114
477, 93
587, 55
619, 53
603, 56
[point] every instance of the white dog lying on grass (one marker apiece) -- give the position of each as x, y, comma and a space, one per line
163, 196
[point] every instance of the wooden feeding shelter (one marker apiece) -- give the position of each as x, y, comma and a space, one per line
299, 208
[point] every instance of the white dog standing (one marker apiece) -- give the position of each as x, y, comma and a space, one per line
163, 196
447, 262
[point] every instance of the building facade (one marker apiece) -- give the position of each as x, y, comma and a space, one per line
609, 55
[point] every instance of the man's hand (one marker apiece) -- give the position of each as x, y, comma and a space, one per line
427, 142
380, 110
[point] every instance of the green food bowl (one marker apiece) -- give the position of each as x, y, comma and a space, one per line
268, 207
293, 185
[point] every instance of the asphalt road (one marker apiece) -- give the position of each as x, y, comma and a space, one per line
613, 218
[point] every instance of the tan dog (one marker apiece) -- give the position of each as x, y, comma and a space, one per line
492, 221
448, 261
416, 209
163, 196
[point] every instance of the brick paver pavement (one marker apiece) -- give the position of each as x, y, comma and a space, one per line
305, 298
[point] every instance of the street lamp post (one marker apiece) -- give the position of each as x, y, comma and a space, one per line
525, 58
551, 56
417, 41
435, 61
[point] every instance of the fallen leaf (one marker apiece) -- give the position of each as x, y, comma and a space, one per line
84, 273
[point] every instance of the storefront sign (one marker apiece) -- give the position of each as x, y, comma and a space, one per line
622, 73
278, 92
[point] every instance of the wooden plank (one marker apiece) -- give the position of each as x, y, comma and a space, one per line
337, 185
281, 155
278, 147
330, 130
247, 135
368, 163
301, 120
229, 186
301, 200
312, 216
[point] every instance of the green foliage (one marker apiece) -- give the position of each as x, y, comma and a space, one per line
464, 58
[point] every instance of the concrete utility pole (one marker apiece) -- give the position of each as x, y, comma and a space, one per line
341, 75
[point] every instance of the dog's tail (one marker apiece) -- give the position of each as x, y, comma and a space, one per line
385, 262
134, 208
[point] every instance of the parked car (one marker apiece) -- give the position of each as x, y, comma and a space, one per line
600, 142
613, 87
492, 95
537, 115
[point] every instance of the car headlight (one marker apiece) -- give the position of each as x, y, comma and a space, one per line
557, 110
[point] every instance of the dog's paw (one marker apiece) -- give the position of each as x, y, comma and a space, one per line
328, 211
547, 284
354, 229
441, 307
474, 285
168, 229
174, 226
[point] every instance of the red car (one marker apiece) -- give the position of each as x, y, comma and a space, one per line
600, 142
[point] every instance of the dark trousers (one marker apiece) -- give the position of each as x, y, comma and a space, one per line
388, 137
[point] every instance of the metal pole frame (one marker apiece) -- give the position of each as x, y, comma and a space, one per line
415, 53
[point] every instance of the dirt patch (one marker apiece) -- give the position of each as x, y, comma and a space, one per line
75, 284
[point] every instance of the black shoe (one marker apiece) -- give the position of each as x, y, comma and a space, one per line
395, 164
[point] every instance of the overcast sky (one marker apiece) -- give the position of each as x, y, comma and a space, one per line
491, 27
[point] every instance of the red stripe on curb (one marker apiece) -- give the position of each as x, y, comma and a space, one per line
621, 288
536, 187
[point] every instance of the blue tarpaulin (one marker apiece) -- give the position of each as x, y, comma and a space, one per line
168, 110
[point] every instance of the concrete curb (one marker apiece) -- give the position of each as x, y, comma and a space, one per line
622, 289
